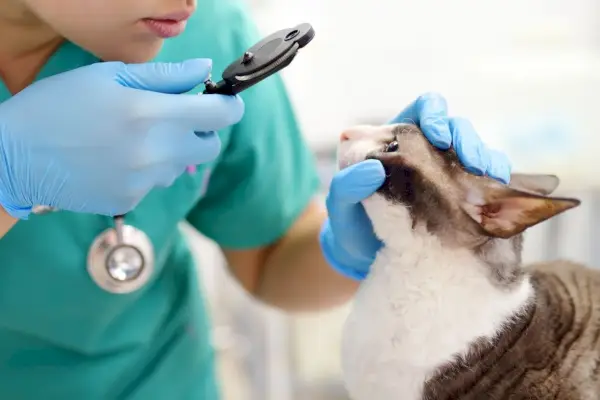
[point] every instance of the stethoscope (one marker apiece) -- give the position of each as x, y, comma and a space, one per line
121, 259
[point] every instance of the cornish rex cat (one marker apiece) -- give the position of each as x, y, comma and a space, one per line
448, 312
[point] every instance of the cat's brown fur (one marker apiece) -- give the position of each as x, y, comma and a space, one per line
550, 352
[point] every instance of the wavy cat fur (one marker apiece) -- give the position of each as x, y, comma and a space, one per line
448, 312
550, 352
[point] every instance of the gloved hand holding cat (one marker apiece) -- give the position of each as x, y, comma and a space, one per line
347, 237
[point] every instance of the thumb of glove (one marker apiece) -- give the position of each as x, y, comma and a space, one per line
170, 78
357, 182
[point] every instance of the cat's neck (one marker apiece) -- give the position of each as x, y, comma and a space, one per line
456, 275
412, 254
446, 294
437, 304
443, 298
421, 307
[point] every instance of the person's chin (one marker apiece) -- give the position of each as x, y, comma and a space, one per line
135, 53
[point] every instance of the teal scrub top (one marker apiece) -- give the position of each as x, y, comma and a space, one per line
62, 337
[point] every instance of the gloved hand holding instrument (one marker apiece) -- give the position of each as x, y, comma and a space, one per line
97, 139
260, 61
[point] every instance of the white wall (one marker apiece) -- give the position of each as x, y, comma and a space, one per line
518, 69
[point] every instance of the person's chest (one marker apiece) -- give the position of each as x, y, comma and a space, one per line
46, 289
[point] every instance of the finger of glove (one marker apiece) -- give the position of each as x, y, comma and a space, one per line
199, 113
355, 183
192, 149
353, 231
471, 151
500, 166
430, 112
172, 78
155, 175
166, 175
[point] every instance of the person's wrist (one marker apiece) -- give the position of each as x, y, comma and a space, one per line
6, 222
18, 213
9, 206
15, 211
336, 256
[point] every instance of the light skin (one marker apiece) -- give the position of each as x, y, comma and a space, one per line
290, 274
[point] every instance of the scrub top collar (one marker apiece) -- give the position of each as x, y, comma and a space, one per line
68, 56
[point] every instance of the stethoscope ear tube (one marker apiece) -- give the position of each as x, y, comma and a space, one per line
119, 221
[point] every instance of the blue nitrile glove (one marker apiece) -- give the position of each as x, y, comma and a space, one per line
430, 113
97, 139
347, 237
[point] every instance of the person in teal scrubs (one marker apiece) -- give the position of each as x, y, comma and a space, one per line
99, 116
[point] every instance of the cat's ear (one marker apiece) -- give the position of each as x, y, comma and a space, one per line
537, 183
503, 211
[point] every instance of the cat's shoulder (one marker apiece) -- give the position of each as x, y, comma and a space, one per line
571, 275
561, 267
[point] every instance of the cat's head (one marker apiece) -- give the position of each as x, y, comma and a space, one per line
427, 192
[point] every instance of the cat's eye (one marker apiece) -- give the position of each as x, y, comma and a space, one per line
391, 147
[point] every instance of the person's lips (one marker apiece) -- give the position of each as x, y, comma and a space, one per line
169, 25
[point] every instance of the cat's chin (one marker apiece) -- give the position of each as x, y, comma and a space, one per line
391, 222
346, 160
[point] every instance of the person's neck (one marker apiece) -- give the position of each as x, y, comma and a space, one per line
31, 42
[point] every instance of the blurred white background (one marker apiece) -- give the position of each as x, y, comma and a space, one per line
526, 72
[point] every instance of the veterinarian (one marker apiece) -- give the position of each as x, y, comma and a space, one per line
93, 139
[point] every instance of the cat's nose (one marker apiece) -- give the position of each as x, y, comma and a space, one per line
360, 132
352, 133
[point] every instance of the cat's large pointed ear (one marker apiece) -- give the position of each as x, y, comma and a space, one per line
503, 211
537, 183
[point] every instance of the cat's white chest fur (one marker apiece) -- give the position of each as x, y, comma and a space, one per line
421, 306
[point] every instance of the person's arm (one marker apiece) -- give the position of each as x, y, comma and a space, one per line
260, 208
6, 222
292, 274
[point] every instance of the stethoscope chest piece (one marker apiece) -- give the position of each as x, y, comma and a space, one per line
121, 260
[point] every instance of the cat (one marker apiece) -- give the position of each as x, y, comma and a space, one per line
448, 312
